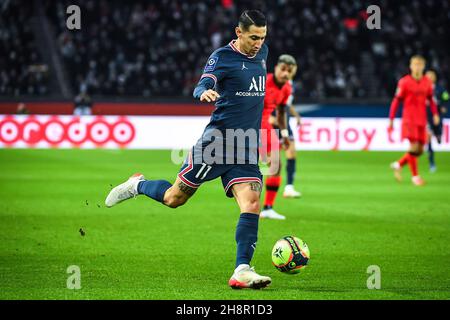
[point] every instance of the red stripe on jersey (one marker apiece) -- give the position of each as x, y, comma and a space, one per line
186, 181
209, 75
186, 170
241, 180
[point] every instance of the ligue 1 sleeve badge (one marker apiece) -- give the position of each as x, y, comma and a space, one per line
211, 64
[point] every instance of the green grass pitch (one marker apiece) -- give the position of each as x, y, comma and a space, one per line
352, 215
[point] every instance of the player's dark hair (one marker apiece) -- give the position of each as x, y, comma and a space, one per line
252, 17
287, 59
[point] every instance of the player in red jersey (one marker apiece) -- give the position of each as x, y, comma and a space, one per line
291, 154
278, 91
414, 90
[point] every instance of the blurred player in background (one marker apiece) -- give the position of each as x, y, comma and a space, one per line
289, 190
414, 90
233, 78
278, 91
83, 104
442, 98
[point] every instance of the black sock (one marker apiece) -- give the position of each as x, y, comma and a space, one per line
431, 155
290, 171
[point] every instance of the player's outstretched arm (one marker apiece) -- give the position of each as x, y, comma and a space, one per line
395, 103
393, 111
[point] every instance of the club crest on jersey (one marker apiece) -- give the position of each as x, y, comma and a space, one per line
263, 63
211, 64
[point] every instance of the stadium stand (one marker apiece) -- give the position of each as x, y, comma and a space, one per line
158, 48
22, 71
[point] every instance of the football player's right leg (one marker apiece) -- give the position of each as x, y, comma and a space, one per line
162, 191
124, 191
178, 194
416, 149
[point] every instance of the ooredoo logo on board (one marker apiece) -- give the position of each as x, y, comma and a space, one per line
56, 130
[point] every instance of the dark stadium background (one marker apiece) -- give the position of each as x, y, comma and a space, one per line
154, 51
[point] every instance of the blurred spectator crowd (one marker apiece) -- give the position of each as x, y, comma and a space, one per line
21, 69
159, 48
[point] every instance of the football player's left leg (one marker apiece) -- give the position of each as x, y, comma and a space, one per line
247, 195
178, 194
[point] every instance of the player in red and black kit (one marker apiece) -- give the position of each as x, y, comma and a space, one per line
414, 90
278, 91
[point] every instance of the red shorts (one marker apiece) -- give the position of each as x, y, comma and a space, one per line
269, 139
414, 133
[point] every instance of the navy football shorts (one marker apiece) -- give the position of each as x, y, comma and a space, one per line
194, 175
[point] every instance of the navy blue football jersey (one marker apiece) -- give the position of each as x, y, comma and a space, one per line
240, 81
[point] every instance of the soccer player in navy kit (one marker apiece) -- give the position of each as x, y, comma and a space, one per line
234, 78
442, 99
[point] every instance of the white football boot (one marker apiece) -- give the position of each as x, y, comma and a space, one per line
418, 181
290, 192
271, 214
397, 171
246, 277
124, 191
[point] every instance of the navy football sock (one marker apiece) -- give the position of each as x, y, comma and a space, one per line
246, 237
154, 189
431, 155
290, 171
